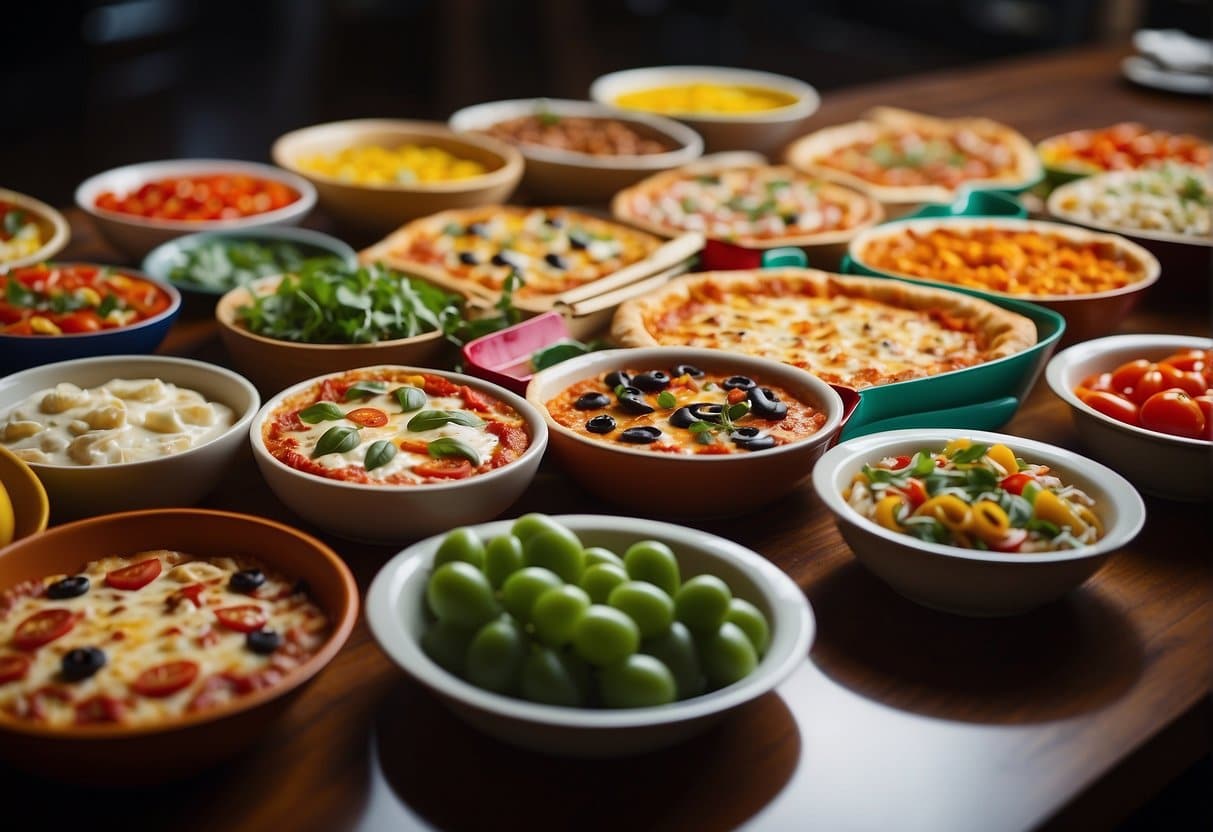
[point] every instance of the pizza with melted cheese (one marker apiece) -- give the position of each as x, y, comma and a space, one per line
853, 331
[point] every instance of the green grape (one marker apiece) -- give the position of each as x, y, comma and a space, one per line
638, 681
555, 551
460, 593
648, 606
547, 679
502, 558
522, 589
752, 622
529, 525
652, 561
596, 555
495, 656
462, 545
675, 648
604, 635
579, 671
556, 612
727, 655
702, 603
447, 644
600, 579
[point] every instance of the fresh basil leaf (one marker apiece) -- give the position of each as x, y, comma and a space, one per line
970, 454
884, 475
922, 464
699, 427
430, 419
452, 229
365, 390
666, 399
736, 411
448, 446
704, 437
321, 412
17, 295
108, 304
379, 454
981, 478
928, 529
13, 221
409, 398
619, 390
336, 440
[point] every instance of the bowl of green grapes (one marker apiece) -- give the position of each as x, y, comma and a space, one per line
589, 635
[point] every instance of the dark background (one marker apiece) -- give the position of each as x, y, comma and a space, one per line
85, 86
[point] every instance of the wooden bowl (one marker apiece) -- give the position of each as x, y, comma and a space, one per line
274, 365
129, 755
382, 208
51, 225
31, 508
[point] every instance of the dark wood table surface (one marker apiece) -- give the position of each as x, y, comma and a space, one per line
900, 717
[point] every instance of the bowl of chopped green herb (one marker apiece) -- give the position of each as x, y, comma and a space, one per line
330, 316
214, 262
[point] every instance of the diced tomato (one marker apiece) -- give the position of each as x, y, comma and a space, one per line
243, 619
135, 576
368, 417
1015, 482
736, 396
165, 679
13, 668
473, 400
894, 463
42, 628
915, 492
99, 710
444, 469
438, 386
1013, 540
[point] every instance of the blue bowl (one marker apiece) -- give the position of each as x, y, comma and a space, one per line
19, 352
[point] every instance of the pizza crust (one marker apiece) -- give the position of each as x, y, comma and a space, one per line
804, 153
654, 186
1005, 332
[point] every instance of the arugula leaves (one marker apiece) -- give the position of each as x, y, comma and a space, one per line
223, 264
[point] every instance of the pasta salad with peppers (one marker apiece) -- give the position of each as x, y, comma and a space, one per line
975, 496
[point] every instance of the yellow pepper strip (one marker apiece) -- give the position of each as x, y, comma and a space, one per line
1005, 458
1091, 519
950, 510
44, 326
1048, 506
990, 522
955, 445
886, 511
89, 295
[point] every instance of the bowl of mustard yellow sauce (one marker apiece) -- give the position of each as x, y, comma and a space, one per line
733, 109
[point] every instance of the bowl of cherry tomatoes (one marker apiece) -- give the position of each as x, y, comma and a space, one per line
1144, 405
138, 207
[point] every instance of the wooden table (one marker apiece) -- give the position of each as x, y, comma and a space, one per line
901, 718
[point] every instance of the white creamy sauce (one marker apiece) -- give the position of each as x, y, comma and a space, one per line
123, 420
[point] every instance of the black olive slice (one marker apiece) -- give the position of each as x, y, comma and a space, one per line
642, 435
81, 662
634, 405
764, 405
479, 229
468, 258
553, 222
601, 424
578, 240
505, 258
246, 580
71, 587
263, 642
617, 378
706, 412
686, 370
555, 261
752, 439
652, 382
592, 401
739, 383
682, 418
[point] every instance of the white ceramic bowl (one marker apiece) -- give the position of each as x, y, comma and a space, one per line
969, 581
177, 480
565, 176
1174, 467
395, 513
51, 224
646, 481
395, 611
139, 235
765, 131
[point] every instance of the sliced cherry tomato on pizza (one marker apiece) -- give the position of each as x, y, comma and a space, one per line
1011, 541
1126, 376
13, 668
1112, 405
243, 619
99, 710
368, 417
444, 469
135, 576
165, 679
1016, 483
1173, 411
43, 628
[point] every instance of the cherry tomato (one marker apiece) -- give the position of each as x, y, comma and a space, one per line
1173, 411
444, 469
1098, 382
1126, 376
165, 679
1205, 403
915, 492
99, 710
894, 463
135, 576
1190, 360
1110, 404
1015, 483
243, 619
1191, 382
1151, 382
80, 322
43, 628
13, 668
368, 417
1012, 541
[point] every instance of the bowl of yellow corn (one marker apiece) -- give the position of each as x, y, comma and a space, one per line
30, 231
733, 109
375, 174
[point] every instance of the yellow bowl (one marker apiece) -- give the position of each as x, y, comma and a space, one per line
31, 508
